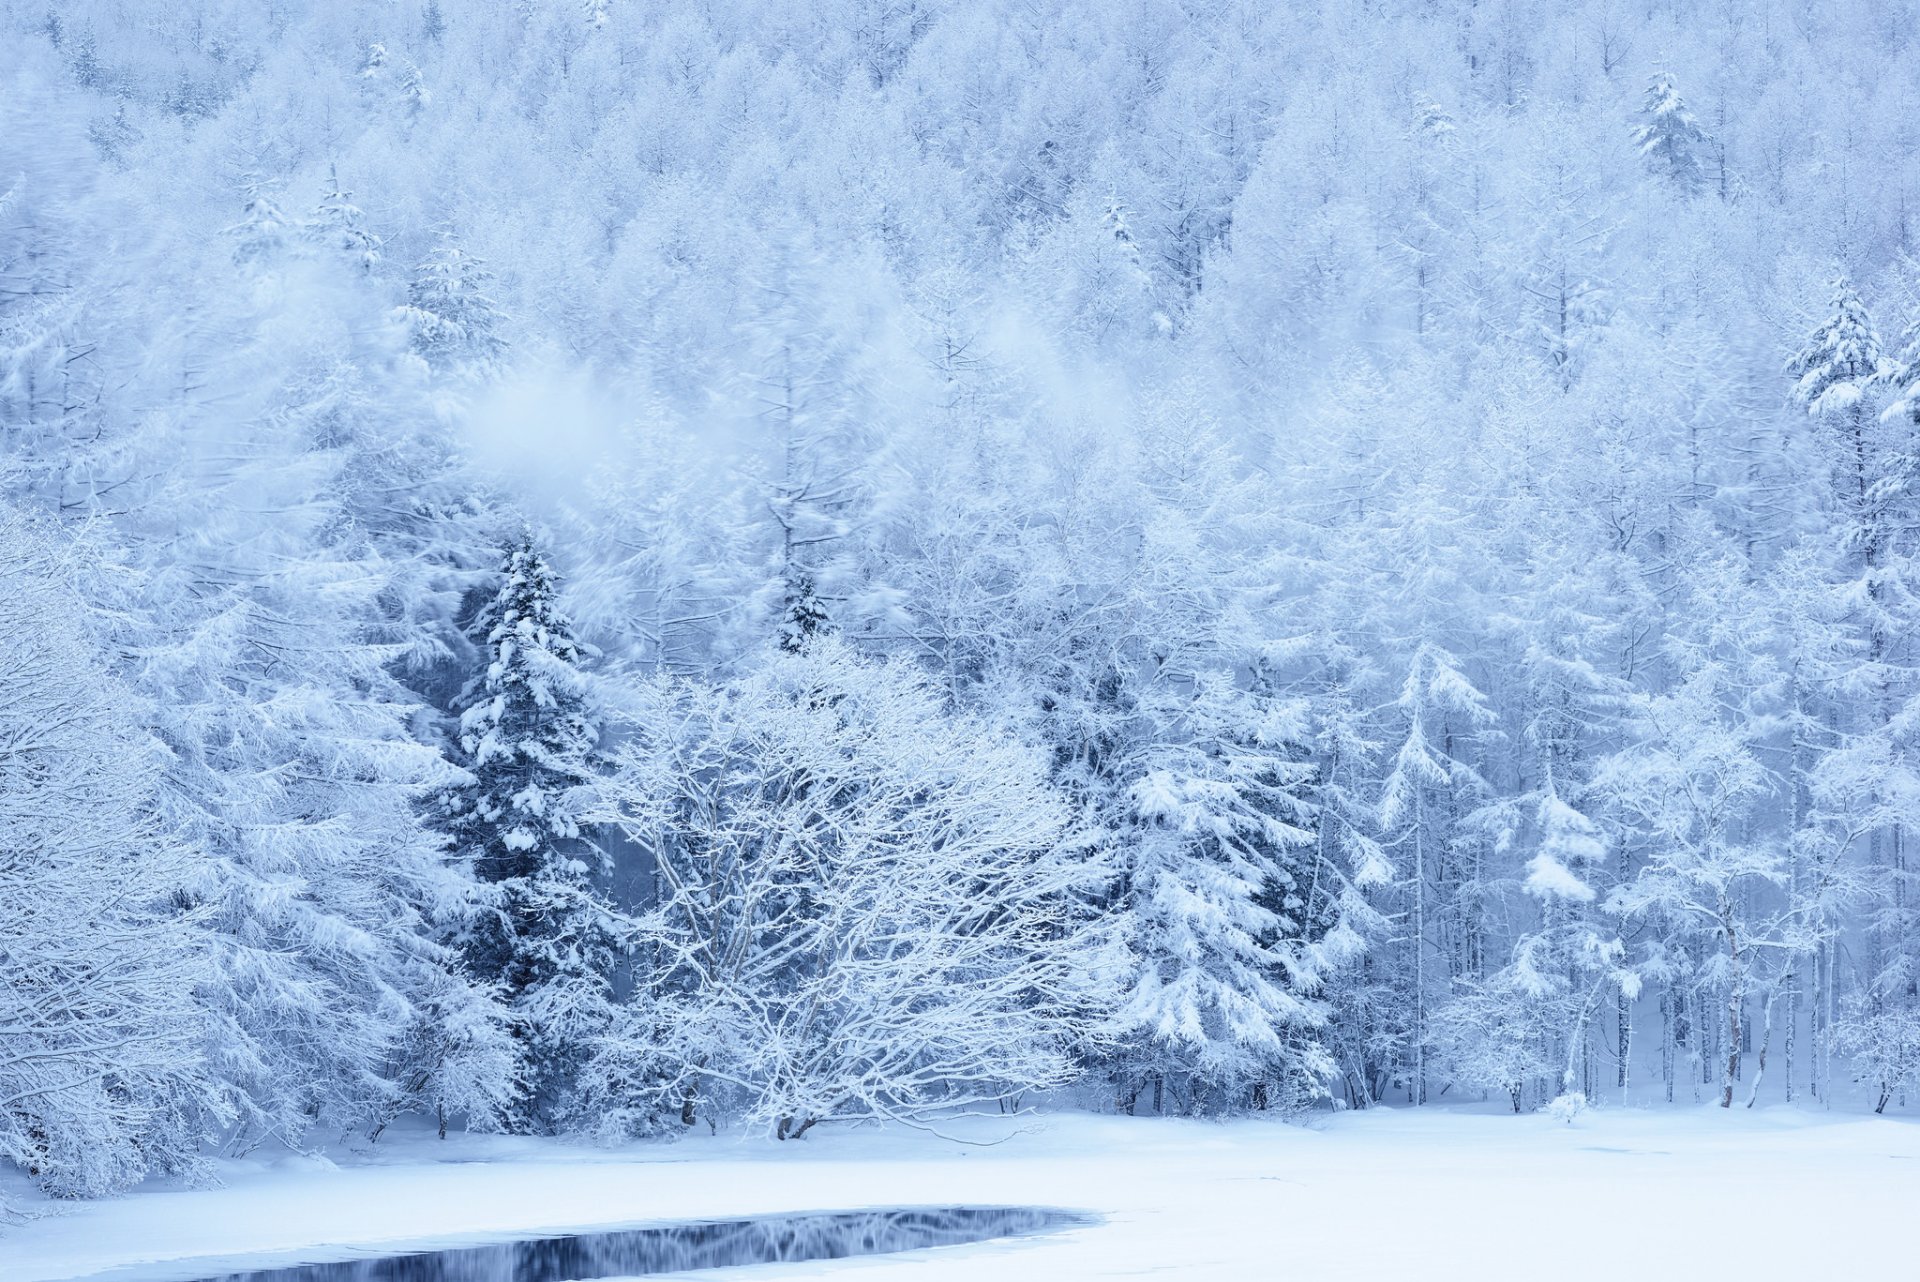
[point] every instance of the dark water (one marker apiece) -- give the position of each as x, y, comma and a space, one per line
675, 1248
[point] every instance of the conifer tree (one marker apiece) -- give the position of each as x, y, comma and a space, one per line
261, 234
1902, 374
1669, 136
527, 737
339, 225
1840, 362
804, 617
455, 322
1225, 1000
1838, 373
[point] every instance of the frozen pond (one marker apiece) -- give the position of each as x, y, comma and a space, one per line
674, 1248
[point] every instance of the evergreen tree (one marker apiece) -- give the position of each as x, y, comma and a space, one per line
454, 321
250, 620
1669, 137
1440, 709
338, 225
803, 617
1902, 375
546, 935
260, 237
1225, 1002
1838, 375
1836, 368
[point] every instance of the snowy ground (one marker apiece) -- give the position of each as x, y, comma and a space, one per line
1386, 1194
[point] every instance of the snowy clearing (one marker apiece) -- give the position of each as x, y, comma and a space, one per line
1385, 1194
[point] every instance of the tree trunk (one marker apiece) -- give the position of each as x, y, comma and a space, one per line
1666, 1042
1793, 1024
1418, 1090
1622, 1040
1625, 1015
1736, 998
1766, 1039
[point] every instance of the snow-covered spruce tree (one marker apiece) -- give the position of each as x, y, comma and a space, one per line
803, 617
1843, 371
103, 1075
450, 313
1902, 371
338, 226
1168, 724
1669, 138
869, 907
545, 936
1836, 377
1223, 1007
264, 230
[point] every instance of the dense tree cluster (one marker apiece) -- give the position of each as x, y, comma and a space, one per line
610, 567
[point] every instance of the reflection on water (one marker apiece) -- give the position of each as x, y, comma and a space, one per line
678, 1247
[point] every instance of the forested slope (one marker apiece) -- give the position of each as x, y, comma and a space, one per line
611, 566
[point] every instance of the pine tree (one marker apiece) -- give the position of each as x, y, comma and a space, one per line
260, 237
1225, 1001
803, 617
1838, 374
527, 737
415, 97
455, 324
1902, 375
338, 225
1838, 365
1669, 136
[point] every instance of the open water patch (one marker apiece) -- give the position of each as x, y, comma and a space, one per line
664, 1248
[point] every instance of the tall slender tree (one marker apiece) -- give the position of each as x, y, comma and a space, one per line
546, 935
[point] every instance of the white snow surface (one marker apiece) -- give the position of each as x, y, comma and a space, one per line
1434, 1194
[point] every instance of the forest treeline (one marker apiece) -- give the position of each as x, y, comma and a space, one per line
600, 568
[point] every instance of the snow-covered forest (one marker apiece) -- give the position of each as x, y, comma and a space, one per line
606, 568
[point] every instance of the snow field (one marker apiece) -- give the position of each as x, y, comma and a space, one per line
1383, 1195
